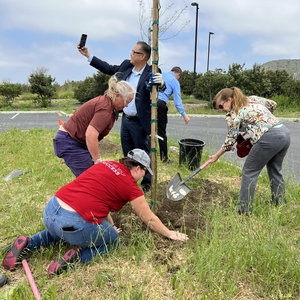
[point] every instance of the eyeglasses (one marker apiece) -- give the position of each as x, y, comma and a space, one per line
135, 52
221, 106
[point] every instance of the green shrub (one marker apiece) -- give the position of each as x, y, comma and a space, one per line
64, 94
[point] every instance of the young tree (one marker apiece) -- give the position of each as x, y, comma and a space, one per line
9, 91
42, 85
167, 18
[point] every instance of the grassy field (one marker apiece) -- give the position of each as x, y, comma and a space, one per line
235, 257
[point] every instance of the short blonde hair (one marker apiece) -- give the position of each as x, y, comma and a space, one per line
124, 88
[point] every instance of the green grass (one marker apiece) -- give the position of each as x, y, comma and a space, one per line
66, 105
237, 257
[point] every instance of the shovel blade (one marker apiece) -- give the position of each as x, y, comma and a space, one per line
176, 190
13, 174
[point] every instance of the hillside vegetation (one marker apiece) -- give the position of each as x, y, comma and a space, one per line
292, 66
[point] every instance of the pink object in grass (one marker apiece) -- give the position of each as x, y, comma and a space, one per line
31, 280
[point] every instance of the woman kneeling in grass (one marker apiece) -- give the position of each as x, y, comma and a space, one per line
79, 213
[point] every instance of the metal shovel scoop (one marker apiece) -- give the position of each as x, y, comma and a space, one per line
14, 173
177, 189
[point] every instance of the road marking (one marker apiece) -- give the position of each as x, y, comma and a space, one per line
15, 115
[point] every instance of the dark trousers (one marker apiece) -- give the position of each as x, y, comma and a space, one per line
162, 120
133, 135
75, 155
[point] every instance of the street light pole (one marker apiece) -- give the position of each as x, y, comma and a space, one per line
196, 34
208, 51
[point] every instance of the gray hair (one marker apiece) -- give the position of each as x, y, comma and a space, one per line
124, 88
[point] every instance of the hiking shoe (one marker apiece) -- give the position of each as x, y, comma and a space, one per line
70, 257
167, 161
3, 279
15, 254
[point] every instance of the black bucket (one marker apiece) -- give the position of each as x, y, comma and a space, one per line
190, 152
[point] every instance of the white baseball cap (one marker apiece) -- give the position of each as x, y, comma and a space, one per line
141, 157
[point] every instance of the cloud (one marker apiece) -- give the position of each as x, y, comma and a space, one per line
69, 17
45, 33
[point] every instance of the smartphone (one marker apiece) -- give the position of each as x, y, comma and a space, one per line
82, 40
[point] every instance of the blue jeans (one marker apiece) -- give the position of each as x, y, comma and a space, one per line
75, 155
62, 224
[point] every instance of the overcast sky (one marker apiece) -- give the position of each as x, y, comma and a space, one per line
45, 33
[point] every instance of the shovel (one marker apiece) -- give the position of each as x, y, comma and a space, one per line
17, 173
14, 173
177, 189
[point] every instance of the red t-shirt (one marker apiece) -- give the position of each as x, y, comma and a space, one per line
104, 187
97, 112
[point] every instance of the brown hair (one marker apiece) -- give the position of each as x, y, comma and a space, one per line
238, 98
177, 70
130, 163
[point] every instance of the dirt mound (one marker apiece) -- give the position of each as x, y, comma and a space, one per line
187, 214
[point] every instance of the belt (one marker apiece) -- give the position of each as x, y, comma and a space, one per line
164, 102
130, 117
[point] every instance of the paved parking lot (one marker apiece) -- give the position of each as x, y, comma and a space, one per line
28, 120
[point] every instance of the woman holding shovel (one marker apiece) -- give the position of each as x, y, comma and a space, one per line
269, 138
79, 213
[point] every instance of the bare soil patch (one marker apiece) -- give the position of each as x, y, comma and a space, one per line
189, 214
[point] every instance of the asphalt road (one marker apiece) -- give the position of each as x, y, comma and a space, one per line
209, 129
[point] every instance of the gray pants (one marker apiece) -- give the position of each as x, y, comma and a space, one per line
268, 151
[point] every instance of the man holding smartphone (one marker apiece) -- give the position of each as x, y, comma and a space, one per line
136, 119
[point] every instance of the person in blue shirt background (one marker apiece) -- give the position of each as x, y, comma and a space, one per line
172, 87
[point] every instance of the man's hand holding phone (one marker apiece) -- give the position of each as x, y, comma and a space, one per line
81, 46
82, 41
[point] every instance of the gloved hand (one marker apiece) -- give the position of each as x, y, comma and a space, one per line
156, 79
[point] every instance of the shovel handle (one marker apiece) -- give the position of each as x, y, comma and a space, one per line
196, 171
206, 164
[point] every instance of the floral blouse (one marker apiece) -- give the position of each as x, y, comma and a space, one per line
255, 120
